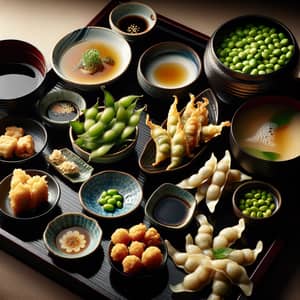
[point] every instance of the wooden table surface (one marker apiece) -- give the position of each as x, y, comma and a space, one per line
43, 22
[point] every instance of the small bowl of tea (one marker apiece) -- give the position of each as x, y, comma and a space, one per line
59, 107
168, 68
132, 20
170, 207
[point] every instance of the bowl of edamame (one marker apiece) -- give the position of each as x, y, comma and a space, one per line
110, 194
250, 55
256, 201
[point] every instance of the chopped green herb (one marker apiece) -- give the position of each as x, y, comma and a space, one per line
221, 253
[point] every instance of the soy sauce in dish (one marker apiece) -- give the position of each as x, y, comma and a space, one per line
18, 79
171, 210
133, 24
62, 111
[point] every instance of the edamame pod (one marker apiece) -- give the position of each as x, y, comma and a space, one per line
134, 119
77, 126
99, 152
108, 98
127, 100
96, 129
113, 133
91, 112
107, 115
88, 123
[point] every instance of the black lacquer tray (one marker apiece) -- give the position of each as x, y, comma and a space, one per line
93, 276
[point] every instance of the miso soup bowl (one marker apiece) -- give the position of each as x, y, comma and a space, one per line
265, 164
233, 85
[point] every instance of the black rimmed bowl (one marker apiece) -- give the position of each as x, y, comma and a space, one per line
31, 127
23, 72
62, 231
54, 192
264, 136
235, 85
125, 184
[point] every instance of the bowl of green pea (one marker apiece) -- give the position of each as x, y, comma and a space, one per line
256, 201
250, 55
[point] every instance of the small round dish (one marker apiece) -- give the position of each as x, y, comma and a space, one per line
256, 201
168, 198
126, 185
133, 20
54, 192
59, 107
31, 127
72, 236
168, 68
75, 64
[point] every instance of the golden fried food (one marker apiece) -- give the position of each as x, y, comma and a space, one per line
136, 248
8, 145
14, 131
152, 257
121, 235
118, 252
132, 264
25, 146
137, 232
152, 237
57, 157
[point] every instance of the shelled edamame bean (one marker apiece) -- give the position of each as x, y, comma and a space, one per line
111, 200
257, 203
255, 49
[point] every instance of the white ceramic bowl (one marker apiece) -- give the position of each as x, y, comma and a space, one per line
132, 20
112, 45
168, 68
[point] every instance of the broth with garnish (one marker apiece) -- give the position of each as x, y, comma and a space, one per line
269, 132
70, 62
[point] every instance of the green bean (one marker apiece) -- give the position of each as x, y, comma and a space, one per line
100, 151
126, 133
113, 133
96, 129
122, 114
109, 100
110, 200
88, 123
77, 126
91, 112
107, 115
127, 100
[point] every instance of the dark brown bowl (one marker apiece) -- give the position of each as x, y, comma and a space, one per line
249, 186
234, 87
23, 70
263, 166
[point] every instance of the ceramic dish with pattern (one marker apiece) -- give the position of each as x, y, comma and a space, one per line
72, 236
83, 172
45, 208
169, 197
147, 156
123, 183
31, 128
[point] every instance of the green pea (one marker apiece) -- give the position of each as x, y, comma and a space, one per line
112, 192
102, 201
108, 207
119, 204
118, 197
112, 201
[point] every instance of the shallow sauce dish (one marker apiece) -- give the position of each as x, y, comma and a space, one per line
88, 235
59, 107
68, 52
170, 207
54, 192
127, 186
147, 156
31, 127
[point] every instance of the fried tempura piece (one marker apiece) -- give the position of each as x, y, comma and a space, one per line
25, 146
152, 237
8, 145
137, 232
132, 264
118, 252
136, 248
14, 131
152, 257
120, 235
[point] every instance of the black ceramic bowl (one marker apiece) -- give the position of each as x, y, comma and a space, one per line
233, 86
23, 71
264, 136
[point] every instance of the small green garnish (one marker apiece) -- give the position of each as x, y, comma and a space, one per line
269, 155
283, 117
221, 253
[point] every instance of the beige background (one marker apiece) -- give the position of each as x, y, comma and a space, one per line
43, 22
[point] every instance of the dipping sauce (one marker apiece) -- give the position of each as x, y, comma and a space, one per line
73, 240
62, 111
71, 59
18, 79
171, 210
133, 24
171, 71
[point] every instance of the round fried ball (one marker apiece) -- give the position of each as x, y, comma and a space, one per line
118, 252
136, 248
152, 237
120, 235
137, 232
152, 257
132, 264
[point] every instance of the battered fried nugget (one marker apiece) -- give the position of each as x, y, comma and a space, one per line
120, 235
14, 131
25, 146
137, 232
152, 257
152, 237
118, 252
8, 145
132, 264
136, 248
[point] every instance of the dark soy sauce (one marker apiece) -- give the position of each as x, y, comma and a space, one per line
62, 111
18, 79
133, 24
171, 210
